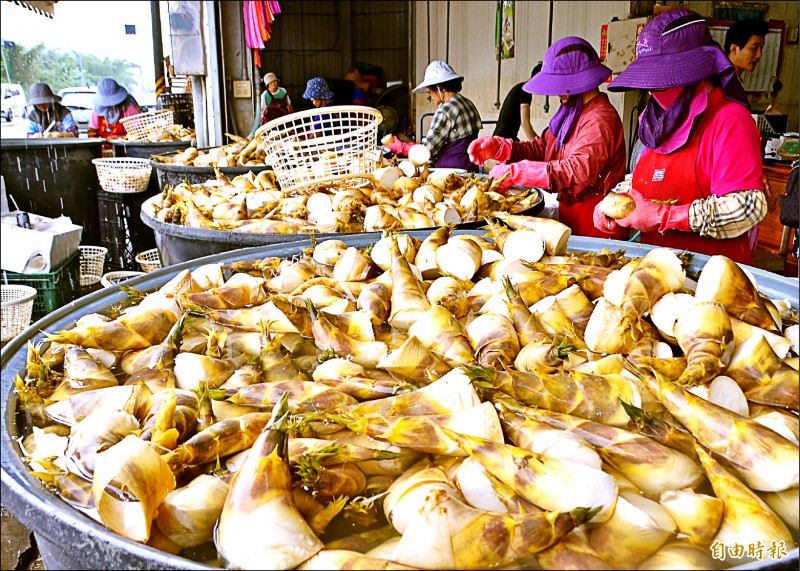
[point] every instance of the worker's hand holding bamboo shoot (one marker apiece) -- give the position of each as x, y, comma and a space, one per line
651, 216
399, 147
523, 173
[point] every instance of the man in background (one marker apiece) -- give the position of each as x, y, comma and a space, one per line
516, 112
744, 43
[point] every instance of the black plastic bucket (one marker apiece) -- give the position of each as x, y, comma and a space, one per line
144, 150
178, 244
70, 540
173, 174
55, 177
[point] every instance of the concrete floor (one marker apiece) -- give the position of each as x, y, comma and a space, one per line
19, 551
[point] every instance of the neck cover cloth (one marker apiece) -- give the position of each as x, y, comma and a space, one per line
563, 122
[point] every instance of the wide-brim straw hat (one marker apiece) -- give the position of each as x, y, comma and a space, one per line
109, 93
41, 93
436, 73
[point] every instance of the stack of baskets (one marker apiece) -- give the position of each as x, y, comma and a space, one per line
316, 148
140, 127
17, 306
149, 260
92, 260
123, 174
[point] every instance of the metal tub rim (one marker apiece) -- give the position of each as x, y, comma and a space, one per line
47, 515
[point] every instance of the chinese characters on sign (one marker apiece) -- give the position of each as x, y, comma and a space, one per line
757, 550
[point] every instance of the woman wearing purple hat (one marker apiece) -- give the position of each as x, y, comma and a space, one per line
698, 184
582, 154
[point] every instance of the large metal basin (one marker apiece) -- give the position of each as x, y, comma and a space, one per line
70, 540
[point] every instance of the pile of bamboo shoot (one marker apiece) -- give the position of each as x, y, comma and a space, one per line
390, 201
454, 402
160, 134
241, 152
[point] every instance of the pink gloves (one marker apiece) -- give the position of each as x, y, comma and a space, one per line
399, 147
484, 148
603, 223
499, 171
523, 173
649, 216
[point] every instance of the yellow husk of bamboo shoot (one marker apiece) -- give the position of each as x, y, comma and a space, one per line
134, 466
705, 335
698, 516
679, 554
724, 281
188, 514
747, 518
638, 528
439, 331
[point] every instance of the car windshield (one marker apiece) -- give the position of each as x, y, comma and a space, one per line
78, 100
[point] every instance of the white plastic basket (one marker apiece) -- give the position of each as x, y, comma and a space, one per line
149, 260
110, 279
17, 306
92, 260
322, 147
140, 127
123, 174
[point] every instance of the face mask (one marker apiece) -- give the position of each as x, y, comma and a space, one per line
667, 97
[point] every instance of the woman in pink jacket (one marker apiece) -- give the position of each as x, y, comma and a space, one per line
582, 154
699, 183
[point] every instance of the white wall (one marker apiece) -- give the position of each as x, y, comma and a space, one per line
471, 50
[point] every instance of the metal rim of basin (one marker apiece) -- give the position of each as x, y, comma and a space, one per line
46, 514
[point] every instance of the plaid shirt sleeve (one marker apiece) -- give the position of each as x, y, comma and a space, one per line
454, 120
729, 215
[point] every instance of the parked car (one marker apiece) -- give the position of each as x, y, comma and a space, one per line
14, 101
79, 101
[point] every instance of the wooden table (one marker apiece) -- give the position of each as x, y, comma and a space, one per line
773, 251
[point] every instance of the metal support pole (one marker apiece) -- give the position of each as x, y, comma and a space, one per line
158, 48
198, 100
549, 43
447, 49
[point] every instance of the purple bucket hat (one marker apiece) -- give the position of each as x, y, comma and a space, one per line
570, 66
673, 49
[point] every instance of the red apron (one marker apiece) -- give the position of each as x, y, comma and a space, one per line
673, 177
578, 217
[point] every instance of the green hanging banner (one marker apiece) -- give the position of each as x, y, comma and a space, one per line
504, 29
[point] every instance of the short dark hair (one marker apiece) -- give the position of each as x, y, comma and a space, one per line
741, 32
536, 69
453, 85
